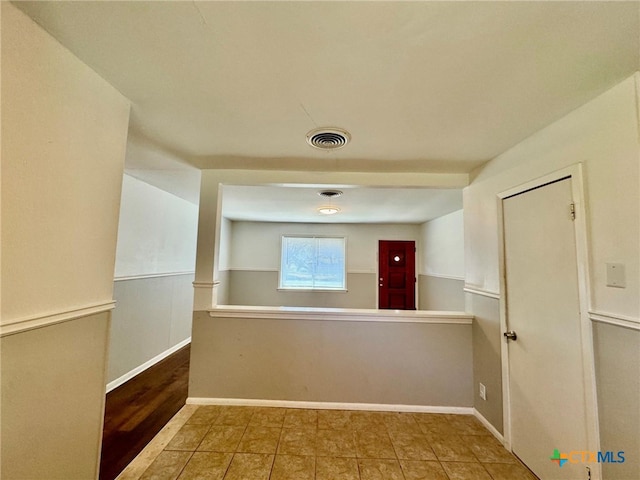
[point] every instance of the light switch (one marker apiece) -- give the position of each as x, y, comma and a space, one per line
615, 275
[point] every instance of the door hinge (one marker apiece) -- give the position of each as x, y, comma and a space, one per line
572, 211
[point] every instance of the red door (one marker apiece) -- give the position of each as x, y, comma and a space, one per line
397, 267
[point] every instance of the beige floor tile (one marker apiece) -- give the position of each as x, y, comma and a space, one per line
435, 424
368, 421
255, 443
205, 415
420, 470
507, 471
374, 445
166, 466
188, 438
297, 441
334, 468
411, 446
300, 418
488, 449
465, 471
222, 439
260, 440
292, 467
206, 466
378, 469
400, 422
250, 466
451, 448
234, 416
336, 443
467, 425
267, 417
334, 419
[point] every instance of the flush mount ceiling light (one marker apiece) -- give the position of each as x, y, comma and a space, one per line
328, 138
328, 210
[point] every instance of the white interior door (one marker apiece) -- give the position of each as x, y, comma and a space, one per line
546, 378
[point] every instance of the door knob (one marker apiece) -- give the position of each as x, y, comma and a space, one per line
511, 335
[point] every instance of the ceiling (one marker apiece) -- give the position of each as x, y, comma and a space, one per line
356, 205
421, 86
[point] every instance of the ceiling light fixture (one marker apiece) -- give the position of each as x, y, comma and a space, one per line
328, 210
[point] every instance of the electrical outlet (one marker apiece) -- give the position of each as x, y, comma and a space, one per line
483, 392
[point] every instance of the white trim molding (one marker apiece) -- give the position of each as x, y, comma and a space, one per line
151, 275
341, 314
38, 321
247, 269
148, 364
615, 319
438, 275
206, 284
481, 292
374, 407
494, 431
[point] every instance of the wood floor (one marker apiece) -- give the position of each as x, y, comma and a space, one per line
137, 410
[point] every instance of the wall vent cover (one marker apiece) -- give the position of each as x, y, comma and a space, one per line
328, 138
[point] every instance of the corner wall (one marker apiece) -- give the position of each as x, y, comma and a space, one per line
64, 133
154, 272
603, 135
441, 269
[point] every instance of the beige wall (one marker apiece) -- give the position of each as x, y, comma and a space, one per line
603, 135
261, 288
441, 263
297, 359
152, 316
440, 293
155, 260
255, 262
52, 400
618, 370
256, 245
487, 364
442, 246
156, 231
63, 142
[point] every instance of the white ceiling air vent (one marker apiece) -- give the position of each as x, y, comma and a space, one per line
328, 138
330, 193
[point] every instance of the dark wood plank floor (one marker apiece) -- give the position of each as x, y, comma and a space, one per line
137, 410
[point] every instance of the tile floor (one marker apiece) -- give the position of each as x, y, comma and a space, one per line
259, 443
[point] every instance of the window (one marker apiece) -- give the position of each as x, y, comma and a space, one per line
313, 263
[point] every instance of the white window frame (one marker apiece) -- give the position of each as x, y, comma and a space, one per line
306, 288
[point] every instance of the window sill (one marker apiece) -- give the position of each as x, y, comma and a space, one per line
318, 290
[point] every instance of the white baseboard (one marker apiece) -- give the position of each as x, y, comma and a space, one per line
150, 363
378, 407
489, 427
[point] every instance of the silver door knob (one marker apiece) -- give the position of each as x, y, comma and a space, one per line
511, 335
